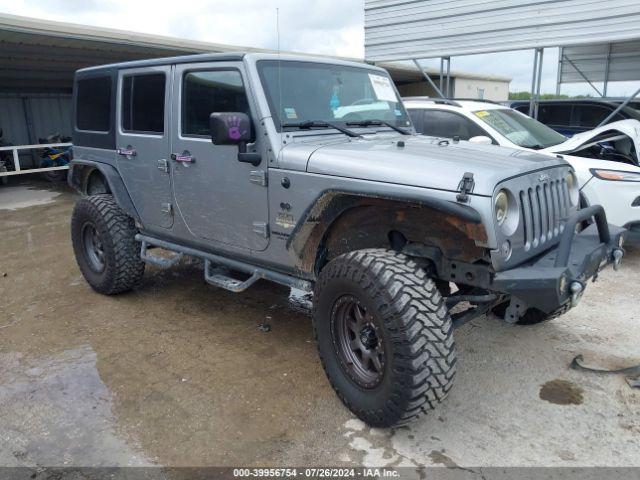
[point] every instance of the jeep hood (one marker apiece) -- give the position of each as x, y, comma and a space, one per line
621, 133
422, 161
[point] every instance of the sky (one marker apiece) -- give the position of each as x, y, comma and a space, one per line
332, 27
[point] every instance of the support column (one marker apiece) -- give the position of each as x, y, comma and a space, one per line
533, 82
606, 71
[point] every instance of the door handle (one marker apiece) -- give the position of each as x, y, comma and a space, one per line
184, 157
129, 151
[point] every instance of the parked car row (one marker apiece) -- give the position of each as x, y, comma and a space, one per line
577, 115
605, 159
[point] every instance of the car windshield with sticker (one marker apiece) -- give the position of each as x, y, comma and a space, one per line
520, 129
300, 92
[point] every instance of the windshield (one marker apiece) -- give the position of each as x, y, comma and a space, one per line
300, 92
520, 129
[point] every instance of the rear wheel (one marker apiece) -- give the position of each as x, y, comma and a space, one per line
104, 245
384, 336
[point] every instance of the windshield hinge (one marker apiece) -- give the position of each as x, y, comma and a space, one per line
465, 186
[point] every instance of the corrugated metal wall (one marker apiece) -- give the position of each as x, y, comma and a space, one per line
623, 59
25, 118
404, 29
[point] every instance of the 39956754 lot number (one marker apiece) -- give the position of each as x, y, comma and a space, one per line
314, 473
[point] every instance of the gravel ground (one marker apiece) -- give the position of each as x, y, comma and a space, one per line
178, 373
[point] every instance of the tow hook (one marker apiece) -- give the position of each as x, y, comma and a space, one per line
576, 289
618, 253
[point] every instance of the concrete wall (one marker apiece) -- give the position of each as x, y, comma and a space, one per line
495, 90
417, 89
25, 118
487, 89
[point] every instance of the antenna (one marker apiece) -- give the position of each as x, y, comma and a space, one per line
279, 75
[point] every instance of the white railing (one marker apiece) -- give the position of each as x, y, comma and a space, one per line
16, 159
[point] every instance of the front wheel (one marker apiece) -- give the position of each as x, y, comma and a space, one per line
384, 336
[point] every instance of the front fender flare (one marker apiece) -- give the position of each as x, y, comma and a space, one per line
310, 230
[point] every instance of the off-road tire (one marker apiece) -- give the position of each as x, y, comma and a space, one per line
123, 268
416, 330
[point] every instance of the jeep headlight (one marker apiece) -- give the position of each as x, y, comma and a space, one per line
506, 213
574, 189
501, 207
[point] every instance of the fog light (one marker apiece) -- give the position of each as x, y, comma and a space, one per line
505, 249
617, 258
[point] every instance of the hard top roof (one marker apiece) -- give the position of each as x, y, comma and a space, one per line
153, 62
221, 57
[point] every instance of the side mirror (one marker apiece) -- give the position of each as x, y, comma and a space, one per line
234, 128
481, 140
230, 128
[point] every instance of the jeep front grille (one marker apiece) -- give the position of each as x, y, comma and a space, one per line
543, 208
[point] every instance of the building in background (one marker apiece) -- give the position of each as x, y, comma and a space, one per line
39, 58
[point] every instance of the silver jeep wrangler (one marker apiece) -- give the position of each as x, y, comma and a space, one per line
307, 172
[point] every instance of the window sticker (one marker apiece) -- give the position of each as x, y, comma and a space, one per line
334, 103
382, 88
481, 113
290, 113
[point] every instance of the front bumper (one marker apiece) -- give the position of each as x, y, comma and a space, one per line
557, 278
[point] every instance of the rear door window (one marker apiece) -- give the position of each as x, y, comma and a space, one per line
143, 98
441, 123
93, 104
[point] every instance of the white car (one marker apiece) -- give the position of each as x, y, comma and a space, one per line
605, 159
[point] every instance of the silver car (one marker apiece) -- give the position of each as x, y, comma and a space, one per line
308, 172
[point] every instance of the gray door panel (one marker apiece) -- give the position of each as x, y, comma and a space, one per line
143, 172
213, 192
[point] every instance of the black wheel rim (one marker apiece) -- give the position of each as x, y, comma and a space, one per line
93, 249
357, 341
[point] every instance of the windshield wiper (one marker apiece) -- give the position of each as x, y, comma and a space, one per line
371, 123
309, 124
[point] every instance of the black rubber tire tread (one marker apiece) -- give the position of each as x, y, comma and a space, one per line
55, 176
533, 316
124, 269
418, 328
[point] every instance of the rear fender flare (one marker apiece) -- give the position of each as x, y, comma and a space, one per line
80, 171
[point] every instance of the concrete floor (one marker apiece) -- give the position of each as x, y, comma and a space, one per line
177, 373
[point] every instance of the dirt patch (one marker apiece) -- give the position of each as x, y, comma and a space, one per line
439, 457
561, 392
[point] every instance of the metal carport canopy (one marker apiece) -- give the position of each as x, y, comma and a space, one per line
417, 29
42, 56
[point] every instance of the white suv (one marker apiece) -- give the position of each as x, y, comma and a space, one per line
605, 159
